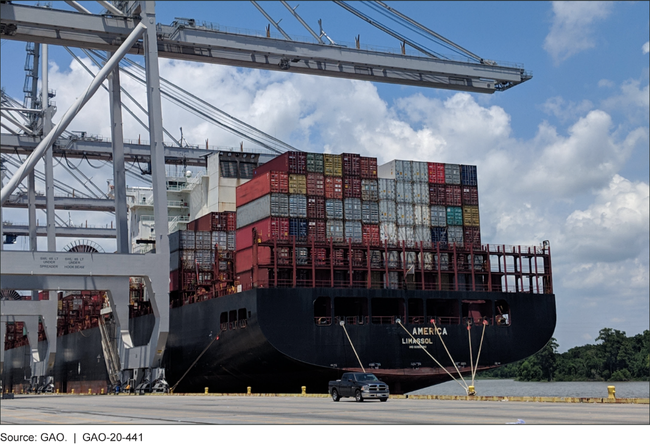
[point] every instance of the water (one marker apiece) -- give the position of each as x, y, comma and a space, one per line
512, 388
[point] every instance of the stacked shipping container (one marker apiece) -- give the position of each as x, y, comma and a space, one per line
192, 258
429, 202
328, 197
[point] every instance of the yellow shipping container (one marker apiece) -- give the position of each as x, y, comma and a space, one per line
298, 184
333, 165
471, 216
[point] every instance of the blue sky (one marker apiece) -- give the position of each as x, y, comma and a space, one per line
562, 157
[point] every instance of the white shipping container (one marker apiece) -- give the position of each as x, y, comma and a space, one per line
396, 169
405, 215
404, 192
421, 193
422, 234
429, 263
386, 189
422, 215
405, 233
420, 171
273, 204
388, 232
388, 212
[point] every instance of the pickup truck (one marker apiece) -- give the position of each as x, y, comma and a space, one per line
360, 385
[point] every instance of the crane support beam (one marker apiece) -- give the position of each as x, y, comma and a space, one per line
183, 42
64, 203
101, 150
70, 232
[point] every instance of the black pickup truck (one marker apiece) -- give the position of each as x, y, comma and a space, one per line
360, 385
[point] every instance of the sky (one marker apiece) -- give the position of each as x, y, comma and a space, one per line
562, 157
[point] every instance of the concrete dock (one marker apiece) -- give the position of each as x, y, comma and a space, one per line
304, 410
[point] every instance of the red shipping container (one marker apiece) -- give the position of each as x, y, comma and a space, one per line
244, 258
338, 257
436, 173
472, 236
437, 194
453, 195
470, 195
297, 162
267, 229
247, 281
333, 187
368, 168
351, 187
224, 221
263, 184
370, 234
279, 164
315, 184
319, 255
284, 256
203, 224
351, 164
316, 207
317, 231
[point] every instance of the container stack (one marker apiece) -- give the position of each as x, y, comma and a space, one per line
192, 251
428, 202
308, 197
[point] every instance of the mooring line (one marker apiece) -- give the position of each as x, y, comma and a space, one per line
449, 354
342, 323
471, 359
436, 361
479, 351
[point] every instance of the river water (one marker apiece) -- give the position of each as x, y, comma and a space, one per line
512, 388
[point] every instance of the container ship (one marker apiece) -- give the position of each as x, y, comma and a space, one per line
289, 272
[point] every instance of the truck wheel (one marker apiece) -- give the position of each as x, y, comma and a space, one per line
335, 395
357, 396
383, 399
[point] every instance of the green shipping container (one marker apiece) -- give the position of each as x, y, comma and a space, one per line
454, 216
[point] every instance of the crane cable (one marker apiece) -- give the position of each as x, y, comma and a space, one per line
342, 323
433, 358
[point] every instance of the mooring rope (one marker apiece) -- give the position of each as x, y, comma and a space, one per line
479, 351
449, 354
216, 337
433, 358
342, 323
471, 359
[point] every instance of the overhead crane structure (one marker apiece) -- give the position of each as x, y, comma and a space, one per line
130, 27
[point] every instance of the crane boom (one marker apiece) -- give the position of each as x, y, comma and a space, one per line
201, 44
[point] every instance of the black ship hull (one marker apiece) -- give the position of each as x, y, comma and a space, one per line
279, 340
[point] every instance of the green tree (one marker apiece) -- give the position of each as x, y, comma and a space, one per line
547, 359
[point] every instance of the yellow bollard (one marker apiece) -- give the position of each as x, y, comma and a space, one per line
248, 390
101, 391
304, 390
90, 391
72, 390
611, 392
470, 391
206, 389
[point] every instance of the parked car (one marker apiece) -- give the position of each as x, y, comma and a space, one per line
360, 385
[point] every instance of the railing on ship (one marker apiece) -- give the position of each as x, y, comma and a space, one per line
407, 266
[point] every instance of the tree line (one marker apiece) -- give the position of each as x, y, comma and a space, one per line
615, 357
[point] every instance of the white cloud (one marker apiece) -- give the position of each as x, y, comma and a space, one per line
566, 111
646, 48
572, 30
614, 227
633, 101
